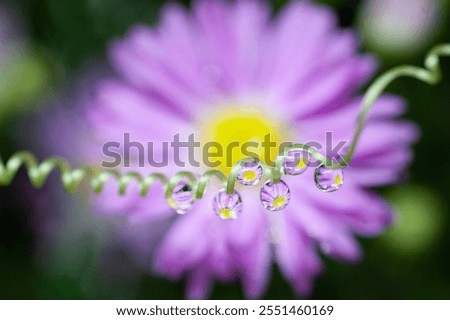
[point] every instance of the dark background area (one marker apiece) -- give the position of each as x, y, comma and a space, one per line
70, 34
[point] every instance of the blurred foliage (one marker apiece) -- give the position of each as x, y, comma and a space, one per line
419, 221
23, 79
73, 32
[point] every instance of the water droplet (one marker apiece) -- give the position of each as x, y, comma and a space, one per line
328, 180
296, 162
182, 198
275, 196
227, 206
250, 174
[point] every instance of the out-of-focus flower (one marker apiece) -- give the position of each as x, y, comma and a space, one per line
400, 28
229, 73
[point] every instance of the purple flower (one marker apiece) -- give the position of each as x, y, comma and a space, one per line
228, 72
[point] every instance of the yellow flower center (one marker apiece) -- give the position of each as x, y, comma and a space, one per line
172, 203
278, 202
301, 163
241, 133
225, 213
249, 175
338, 180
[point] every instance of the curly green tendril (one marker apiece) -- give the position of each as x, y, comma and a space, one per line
72, 178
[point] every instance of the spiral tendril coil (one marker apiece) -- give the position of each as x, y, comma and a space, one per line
71, 178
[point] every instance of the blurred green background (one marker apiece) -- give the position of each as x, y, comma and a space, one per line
60, 37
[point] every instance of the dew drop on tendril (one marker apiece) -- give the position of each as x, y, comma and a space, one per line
182, 198
250, 173
327, 179
275, 196
296, 162
227, 206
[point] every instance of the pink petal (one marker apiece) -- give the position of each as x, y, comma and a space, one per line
199, 284
296, 257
